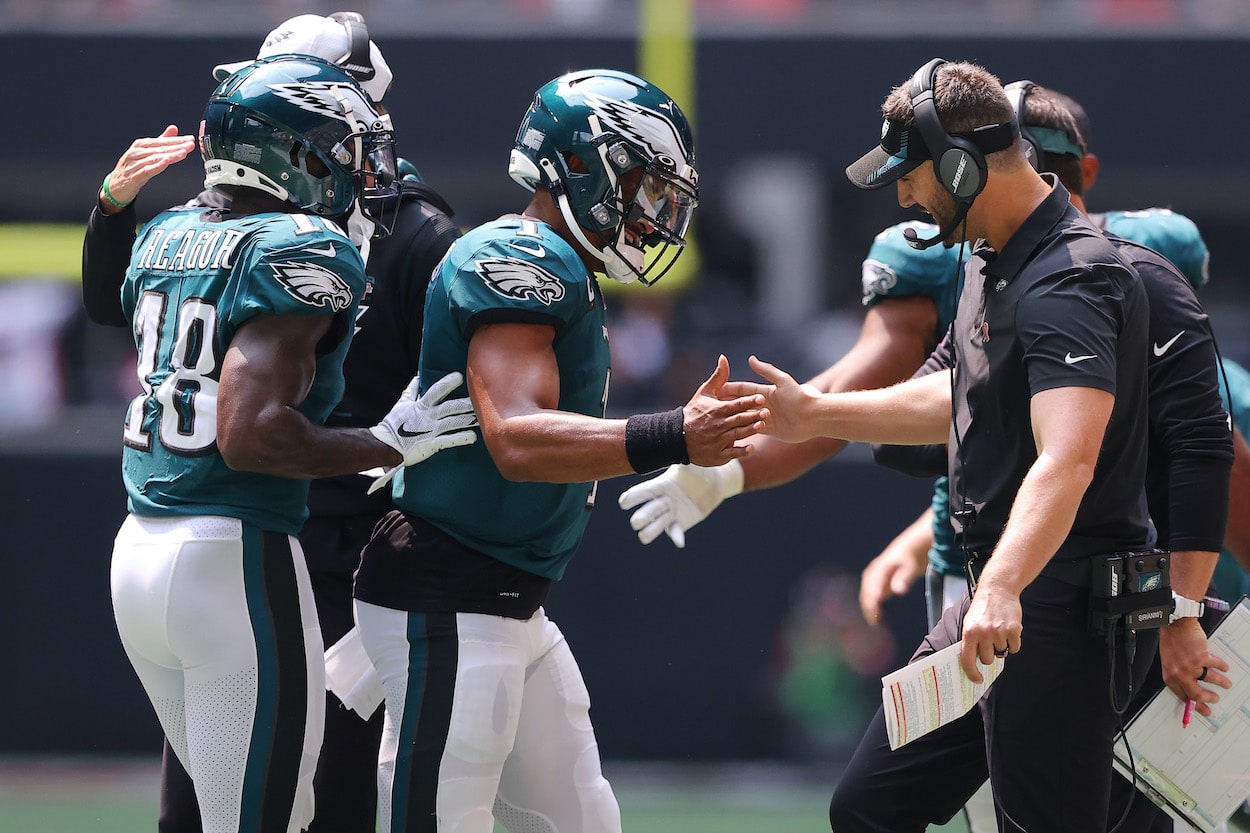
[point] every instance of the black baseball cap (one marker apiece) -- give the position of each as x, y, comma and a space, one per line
901, 151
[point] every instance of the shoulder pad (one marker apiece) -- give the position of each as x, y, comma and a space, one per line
1170, 234
893, 267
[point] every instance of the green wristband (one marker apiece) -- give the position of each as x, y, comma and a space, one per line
108, 196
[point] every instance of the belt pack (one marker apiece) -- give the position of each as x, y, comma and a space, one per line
1130, 589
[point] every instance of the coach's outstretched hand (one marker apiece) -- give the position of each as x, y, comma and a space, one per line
420, 428
789, 404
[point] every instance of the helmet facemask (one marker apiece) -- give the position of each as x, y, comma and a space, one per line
642, 215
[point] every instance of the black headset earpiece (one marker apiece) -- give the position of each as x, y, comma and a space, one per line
959, 164
357, 61
1017, 93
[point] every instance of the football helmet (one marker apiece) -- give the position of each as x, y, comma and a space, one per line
301, 129
583, 138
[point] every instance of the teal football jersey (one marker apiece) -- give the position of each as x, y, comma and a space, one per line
1230, 576
190, 286
1170, 234
515, 270
893, 269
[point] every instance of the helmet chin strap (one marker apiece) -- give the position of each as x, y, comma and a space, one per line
360, 229
616, 267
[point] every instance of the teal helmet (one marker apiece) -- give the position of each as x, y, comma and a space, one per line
613, 124
301, 129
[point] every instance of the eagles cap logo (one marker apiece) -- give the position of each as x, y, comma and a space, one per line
520, 279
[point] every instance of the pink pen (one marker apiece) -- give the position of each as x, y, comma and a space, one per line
1189, 712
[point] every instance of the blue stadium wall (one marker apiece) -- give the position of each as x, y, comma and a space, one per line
679, 647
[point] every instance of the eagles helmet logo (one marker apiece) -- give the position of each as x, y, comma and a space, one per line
314, 285
645, 127
520, 279
321, 97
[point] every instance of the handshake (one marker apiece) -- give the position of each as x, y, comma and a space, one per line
685, 494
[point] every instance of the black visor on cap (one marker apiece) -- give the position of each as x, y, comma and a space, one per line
900, 151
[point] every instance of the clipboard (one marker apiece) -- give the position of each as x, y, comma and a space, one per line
1199, 774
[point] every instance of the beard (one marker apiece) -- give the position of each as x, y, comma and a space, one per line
944, 210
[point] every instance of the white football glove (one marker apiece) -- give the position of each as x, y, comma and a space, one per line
420, 428
679, 498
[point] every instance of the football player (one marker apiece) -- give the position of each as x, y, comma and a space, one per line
487, 716
381, 361
241, 319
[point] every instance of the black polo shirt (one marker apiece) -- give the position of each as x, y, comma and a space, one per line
1191, 442
1057, 307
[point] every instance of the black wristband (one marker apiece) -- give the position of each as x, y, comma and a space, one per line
653, 441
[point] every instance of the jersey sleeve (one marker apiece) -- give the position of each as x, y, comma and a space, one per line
291, 268
893, 269
519, 279
1172, 235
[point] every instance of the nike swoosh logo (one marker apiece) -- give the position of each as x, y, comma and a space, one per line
328, 251
1071, 359
538, 251
404, 432
1160, 349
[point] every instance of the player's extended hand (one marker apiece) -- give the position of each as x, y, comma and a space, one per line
144, 159
1183, 654
420, 428
720, 414
890, 574
789, 403
679, 498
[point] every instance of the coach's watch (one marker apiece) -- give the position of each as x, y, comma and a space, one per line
1184, 608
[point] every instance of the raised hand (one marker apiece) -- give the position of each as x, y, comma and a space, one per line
143, 160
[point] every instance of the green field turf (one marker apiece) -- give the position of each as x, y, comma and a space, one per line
120, 796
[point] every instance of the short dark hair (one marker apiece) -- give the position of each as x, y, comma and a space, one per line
1053, 110
966, 95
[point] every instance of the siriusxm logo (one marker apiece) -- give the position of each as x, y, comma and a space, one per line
1152, 614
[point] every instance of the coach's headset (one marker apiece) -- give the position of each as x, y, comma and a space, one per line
1017, 92
356, 60
958, 160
